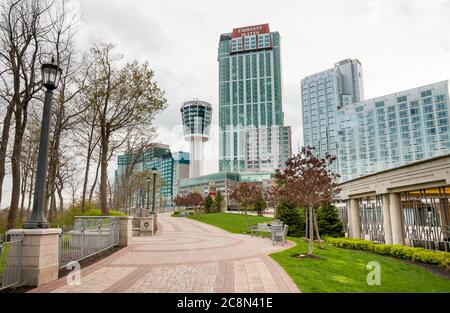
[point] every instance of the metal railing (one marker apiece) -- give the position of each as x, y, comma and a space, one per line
89, 236
11, 261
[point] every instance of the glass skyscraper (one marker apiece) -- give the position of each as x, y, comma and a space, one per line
249, 90
171, 167
393, 130
368, 136
323, 94
267, 149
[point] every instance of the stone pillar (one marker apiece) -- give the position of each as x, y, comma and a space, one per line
40, 255
355, 219
396, 219
387, 220
125, 230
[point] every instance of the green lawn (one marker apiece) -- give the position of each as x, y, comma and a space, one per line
342, 270
338, 270
234, 223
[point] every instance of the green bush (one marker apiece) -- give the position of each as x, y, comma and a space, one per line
289, 214
403, 252
209, 204
176, 213
328, 222
67, 218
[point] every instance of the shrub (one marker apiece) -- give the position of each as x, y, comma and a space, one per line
209, 204
403, 252
67, 218
260, 205
289, 214
328, 222
218, 202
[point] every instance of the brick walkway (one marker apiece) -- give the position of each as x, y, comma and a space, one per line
185, 256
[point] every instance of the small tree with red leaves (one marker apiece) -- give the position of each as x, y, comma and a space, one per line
195, 200
246, 196
308, 182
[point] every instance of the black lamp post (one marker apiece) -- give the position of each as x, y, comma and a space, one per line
149, 180
154, 171
51, 74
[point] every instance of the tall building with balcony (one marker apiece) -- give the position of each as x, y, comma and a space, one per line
393, 130
250, 95
323, 94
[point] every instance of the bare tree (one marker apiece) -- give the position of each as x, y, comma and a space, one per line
136, 142
124, 97
24, 29
29, 160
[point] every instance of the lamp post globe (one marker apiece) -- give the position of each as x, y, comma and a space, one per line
51, 75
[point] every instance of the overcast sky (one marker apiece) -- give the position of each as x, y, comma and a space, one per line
401, 45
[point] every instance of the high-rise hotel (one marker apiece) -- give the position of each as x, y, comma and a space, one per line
252, 132
323, 94
368, 136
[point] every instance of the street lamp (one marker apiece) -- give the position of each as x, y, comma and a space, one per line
51, 74
154, 171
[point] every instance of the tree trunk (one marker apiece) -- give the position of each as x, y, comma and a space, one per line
311, 232
246, 220
104, 171
61, 199
4, 146
306, 225
91, 192
30, 191
53, 167
23, 193
316, 227
15, 167
88, 165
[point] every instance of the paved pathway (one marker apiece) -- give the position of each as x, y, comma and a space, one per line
185, 256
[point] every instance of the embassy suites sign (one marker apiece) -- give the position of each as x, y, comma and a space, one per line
251, 30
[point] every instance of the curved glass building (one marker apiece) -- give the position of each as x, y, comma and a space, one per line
196, 117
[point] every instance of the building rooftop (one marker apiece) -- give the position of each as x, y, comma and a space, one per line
380, 98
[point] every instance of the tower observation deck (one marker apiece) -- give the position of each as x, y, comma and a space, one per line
196, 117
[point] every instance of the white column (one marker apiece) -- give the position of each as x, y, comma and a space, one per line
355, 219
396, 219
387, 220
196, 162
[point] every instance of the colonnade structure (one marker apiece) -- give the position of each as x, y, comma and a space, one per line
407, 205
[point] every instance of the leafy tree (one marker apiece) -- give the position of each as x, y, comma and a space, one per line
290, 214
218, 201
328, 221
260, 204
195, 200
209, 204
308, 182
246, 197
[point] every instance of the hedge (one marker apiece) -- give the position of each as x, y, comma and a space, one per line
403, 252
